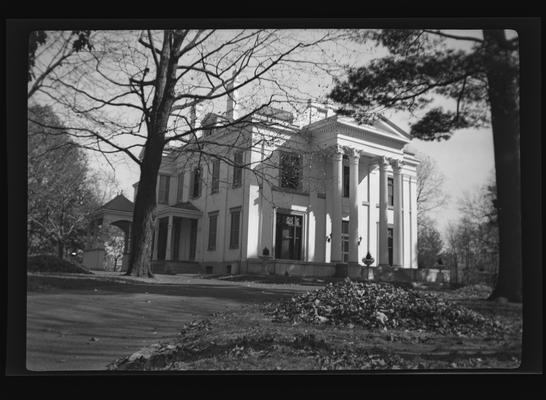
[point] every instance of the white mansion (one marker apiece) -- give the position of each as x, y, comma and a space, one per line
271, 196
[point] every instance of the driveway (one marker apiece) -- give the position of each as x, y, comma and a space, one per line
86, 322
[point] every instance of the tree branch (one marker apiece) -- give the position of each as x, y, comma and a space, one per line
450, 36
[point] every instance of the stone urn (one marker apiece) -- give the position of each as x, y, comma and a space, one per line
368, 260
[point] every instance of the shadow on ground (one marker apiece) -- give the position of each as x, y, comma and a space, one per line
240, 293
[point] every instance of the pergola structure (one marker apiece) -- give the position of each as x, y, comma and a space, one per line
117, 212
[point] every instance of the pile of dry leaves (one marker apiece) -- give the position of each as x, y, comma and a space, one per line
382, 305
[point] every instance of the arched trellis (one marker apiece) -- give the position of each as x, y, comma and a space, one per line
117, 212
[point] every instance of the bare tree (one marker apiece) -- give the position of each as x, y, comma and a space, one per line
114, 246
430, 180
134, 93
474, 239
59, 48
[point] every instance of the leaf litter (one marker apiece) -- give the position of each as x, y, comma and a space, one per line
381, 305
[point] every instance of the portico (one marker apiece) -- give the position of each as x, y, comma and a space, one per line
382, 163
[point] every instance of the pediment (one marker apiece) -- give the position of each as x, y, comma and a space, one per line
381, 126
387, 125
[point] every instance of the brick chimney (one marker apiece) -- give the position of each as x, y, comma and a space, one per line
231, 103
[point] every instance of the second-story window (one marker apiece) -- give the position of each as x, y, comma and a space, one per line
180, 188
237, 169
163, 195
390, 191
290, 170
346, 181
196, 183
215, 184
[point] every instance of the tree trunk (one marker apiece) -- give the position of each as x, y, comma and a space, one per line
502, 92
145, 203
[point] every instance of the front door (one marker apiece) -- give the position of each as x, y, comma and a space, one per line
288, 239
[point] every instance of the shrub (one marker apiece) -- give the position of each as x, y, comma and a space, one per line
48, 263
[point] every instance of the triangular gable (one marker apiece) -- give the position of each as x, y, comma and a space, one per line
118, 203
385, 124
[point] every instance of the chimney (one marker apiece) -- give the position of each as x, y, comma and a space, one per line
231, 105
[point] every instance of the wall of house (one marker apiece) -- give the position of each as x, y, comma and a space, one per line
264, 195
259, 199
289, 268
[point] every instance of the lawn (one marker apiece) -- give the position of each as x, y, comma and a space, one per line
78, 322
190, 322
251, 338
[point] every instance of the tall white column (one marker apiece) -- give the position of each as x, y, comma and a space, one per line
398, 242
168, 252
337, 165
354, 158
383, 219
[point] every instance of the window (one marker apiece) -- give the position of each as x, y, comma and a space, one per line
215, 176
180, 188
346, 177
213, 222
237, 169
234, 229
163, 196
345, 240
290, 170
288, 238
390, 185
196, 183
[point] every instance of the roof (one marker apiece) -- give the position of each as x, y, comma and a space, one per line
277, 113
119, 203
186, 206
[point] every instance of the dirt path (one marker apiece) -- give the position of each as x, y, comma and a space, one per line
84, 323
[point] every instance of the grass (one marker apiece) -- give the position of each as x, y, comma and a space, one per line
249, 339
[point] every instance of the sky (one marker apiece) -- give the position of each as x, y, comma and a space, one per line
466, 159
